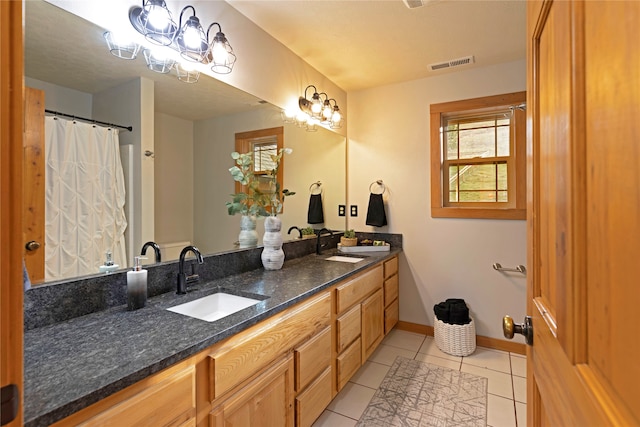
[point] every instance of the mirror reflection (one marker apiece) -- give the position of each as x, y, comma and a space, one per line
176, 192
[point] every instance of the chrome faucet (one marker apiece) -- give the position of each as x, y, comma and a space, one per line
319, 234
295, 228
183, 279
155, 247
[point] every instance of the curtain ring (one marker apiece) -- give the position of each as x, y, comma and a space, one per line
317, 184
380, 183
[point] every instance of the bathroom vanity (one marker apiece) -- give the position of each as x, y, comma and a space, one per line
277, 362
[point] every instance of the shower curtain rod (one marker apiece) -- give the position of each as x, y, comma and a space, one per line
96, 122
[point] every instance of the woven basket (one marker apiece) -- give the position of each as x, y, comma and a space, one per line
457, 340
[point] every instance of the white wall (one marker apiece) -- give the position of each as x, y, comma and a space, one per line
131, 104
388, 139
62, 99
317, 156
173, 179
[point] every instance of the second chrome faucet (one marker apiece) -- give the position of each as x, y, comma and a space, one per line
183, 278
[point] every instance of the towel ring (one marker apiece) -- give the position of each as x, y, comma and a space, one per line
317, 184
380, 183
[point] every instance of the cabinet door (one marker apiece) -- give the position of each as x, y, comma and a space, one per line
372, 323
266, 401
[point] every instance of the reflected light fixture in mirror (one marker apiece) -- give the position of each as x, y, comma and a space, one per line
312, 112
122, 48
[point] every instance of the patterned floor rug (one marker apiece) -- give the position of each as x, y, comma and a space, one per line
416, 394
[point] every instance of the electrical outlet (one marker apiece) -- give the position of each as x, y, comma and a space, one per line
342, 210
354, 210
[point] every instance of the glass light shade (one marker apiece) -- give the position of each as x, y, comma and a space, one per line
312, 125
288, 116
336, 118
154, 21
221, 55
158, 61
192, 41
186, 72
120, 47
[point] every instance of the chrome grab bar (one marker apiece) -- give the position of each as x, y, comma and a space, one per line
519, 268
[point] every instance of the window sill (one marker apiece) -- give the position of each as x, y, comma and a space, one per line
480, 213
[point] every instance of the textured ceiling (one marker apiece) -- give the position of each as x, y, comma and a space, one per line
355, 43
63, 49
360, 44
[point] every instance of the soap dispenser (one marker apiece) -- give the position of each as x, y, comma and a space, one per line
136, 285
108, 265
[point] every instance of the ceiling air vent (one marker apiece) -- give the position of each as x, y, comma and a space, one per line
412, 4
452, 63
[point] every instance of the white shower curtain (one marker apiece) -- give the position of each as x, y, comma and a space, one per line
85, 195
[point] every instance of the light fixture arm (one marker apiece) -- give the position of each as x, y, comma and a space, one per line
208, 29
314, 90
182, 12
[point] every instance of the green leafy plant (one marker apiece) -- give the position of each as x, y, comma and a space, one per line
262, 195
308, 231
349, 234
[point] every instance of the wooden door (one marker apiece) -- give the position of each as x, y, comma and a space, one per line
33, 184
583, 223
11, 292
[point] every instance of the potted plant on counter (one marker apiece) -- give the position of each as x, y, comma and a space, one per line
250, 203
349, 238
308, 232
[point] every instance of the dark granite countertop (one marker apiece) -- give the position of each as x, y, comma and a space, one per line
73, 364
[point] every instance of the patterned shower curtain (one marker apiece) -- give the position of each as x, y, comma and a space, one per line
84, 198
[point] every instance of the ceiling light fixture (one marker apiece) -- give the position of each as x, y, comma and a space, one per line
191, 39
220, 52
188, 38
154, 21
315, 111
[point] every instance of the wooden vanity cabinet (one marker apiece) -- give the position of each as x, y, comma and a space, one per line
164, 399
359, 311
283, 371
391, 292
264, 402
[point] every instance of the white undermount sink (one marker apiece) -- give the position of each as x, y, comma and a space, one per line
339, 258
214, 307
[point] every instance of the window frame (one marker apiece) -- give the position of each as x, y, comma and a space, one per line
516, 209
244, 143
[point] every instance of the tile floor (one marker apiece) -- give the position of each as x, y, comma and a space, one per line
506, 402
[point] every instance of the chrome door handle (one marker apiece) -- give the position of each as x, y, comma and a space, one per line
510, 328
32, 245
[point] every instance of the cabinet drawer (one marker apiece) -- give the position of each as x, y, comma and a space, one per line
355, 290
347, 328
372, 324
171, 401
312, 358
248, 352
390, 290
348, 363
390, 267
391, 314
311, 402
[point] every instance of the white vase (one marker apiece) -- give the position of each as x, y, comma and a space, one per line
248, 235
272, 254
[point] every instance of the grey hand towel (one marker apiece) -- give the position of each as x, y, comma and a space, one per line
375, 214
315, 214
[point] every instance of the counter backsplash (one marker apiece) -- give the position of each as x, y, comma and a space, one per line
59, 301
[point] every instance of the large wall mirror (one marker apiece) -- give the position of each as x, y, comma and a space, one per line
193, 130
